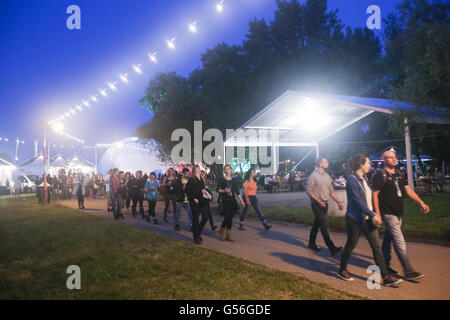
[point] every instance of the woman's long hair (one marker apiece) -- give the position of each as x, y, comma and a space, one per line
248, 174
357, 161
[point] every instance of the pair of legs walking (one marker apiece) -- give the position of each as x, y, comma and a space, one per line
169, 198
138, 198
115, 201
177, 212
320, 223
254, 203
198, 209
151, 210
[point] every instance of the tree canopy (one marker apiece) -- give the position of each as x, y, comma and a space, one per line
307, 48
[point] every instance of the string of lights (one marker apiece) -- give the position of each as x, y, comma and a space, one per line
124, 77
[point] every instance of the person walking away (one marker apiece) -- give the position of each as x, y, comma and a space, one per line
320, 189
361, 218
108, 191
250, 187
228, 189
182, 198
136, 185
151, 190
170, 194
210, 217
390, 185
196, 191
79, 190
114, 187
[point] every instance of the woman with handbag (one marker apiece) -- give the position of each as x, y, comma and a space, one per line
228, 189
361, 218
210, 218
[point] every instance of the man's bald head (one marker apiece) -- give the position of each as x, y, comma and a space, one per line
388, 153
389, 158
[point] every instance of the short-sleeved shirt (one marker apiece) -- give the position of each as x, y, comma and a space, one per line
152, 194
391, 202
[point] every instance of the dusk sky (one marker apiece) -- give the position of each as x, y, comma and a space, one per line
48, 69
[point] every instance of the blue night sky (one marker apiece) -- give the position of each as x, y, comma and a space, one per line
48, 69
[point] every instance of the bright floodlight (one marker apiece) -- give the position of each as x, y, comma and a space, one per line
219, 6
123, 77
152, 57
112, 86
137, 68
58, 127
6, 139
119, 145
192, 27
170, 44
103, 92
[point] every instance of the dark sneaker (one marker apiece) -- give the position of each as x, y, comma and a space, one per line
390, 281
241, 227
214, 228
177, 227
314, 247
267, 226
392, 271
414, 275
155, 221
147, 218
335, 250
344, 275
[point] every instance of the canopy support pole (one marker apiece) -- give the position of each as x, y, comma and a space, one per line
317, 151
408, 155
274, 160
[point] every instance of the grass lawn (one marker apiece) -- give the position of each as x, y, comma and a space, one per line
23, 195
117, 261
434, 225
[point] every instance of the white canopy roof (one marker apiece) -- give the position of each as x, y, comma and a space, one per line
305, 119
34, 167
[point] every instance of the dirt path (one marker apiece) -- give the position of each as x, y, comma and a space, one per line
284, 248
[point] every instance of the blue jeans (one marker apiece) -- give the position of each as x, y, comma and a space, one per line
254, 203
187, 207
115, 200
394, 235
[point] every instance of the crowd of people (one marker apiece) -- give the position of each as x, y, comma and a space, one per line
370, 203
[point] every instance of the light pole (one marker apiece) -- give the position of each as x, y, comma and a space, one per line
44, 126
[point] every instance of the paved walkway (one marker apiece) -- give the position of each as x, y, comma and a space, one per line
284, 248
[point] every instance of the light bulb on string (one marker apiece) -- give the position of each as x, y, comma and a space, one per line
94, 98
219, 6
137, 68
170, 43
112, 85
103, 92
79, 107
123, 77
192, 27
152, 57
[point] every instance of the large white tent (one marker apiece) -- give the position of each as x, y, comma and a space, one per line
132, 154
78, 164
302, 119
33, 166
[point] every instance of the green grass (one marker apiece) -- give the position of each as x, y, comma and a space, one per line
23, 195
433, 226
117, 261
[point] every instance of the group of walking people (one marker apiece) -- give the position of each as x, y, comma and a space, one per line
367, 208
369, 204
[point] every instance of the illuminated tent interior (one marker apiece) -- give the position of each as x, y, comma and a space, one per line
301, 119
132, 154
78, 164
6, 172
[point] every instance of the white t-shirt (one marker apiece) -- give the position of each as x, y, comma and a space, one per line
368, 193
267, 180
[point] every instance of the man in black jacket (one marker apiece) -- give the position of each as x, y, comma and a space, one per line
136, 188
